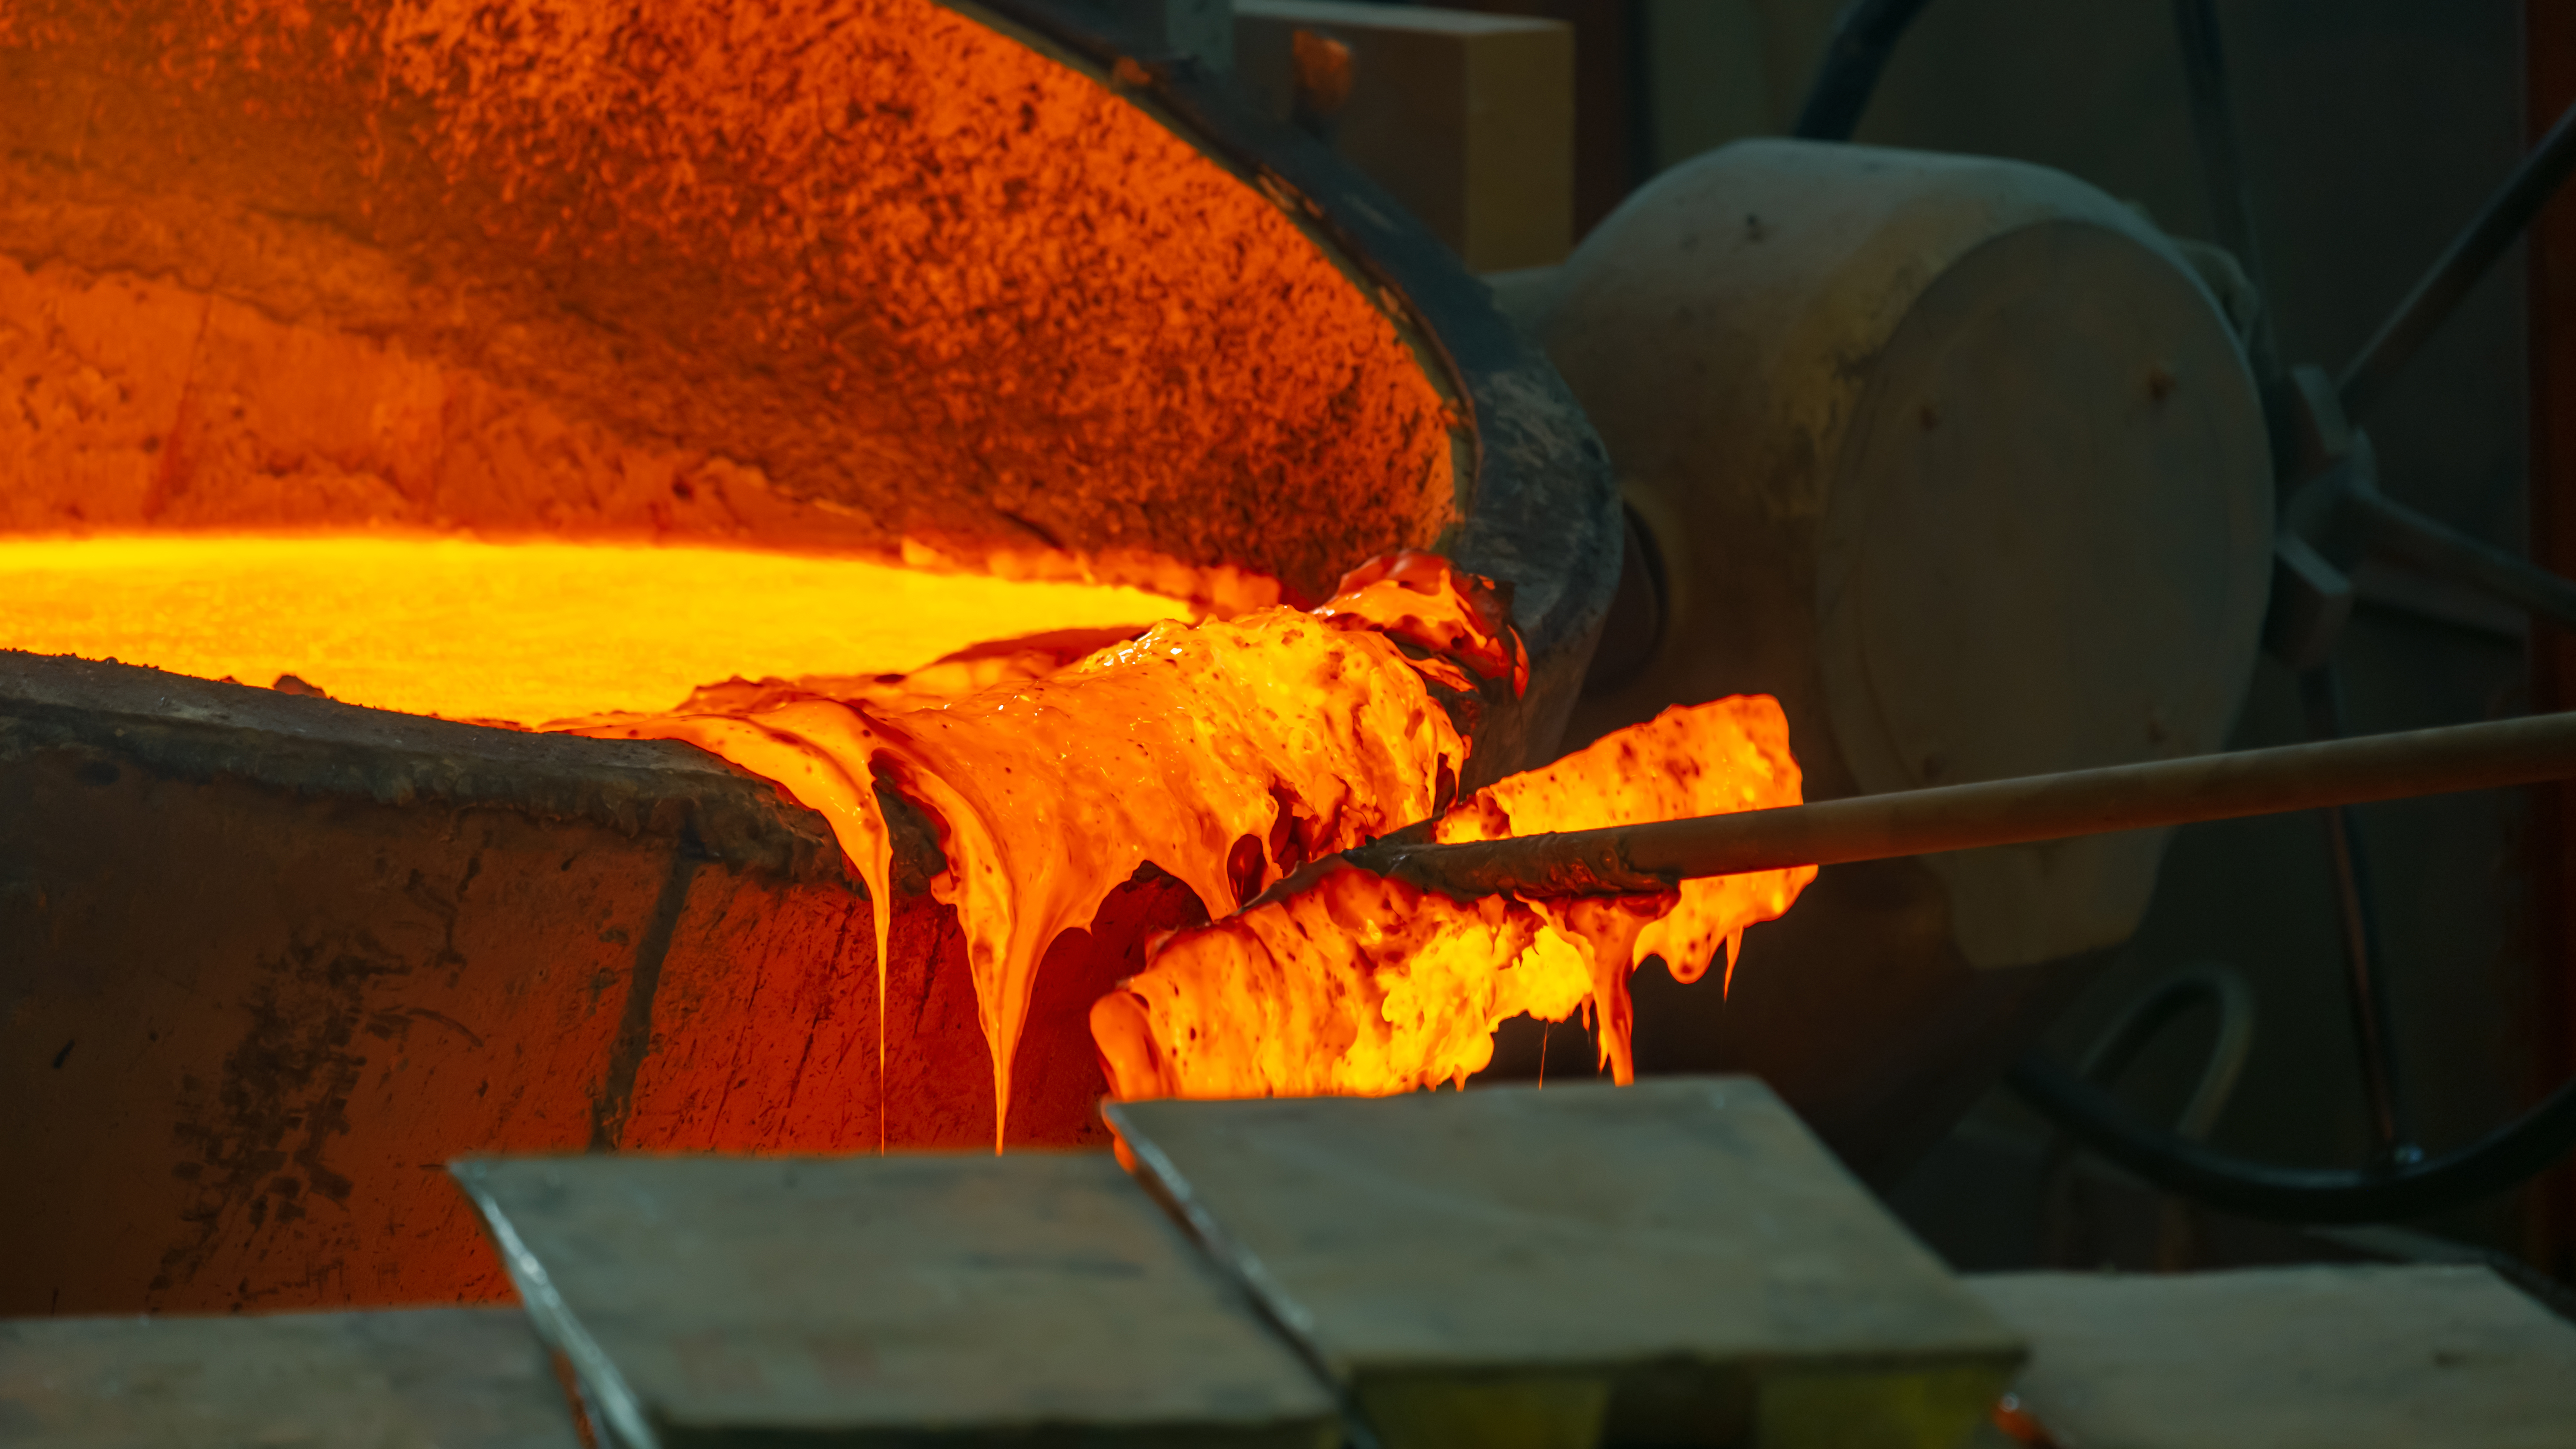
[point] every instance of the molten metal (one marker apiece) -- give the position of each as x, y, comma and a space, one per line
1358, 984
1226, 754
520, 633
1223, 755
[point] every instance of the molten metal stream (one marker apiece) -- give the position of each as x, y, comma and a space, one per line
1227, 754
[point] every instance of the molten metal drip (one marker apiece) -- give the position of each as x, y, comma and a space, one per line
1355, 984
1225, 755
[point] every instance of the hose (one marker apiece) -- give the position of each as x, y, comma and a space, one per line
2226, 993
2494, 1163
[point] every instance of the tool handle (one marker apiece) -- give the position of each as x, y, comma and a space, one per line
1627, 859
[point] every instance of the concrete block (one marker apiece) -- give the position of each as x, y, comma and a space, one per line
1039, 1298
1201, 29
1467, 118
441, 1378
1678, 1262
2291, 1358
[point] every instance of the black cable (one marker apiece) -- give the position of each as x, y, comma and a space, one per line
2225, 993
1865, 34
2494, 1163
2145, 1018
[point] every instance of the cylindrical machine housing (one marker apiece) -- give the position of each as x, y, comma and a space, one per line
1960, 459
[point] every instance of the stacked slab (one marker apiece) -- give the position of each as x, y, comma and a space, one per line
1678, 1263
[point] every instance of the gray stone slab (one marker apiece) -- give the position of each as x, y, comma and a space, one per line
1039, 1298
439, 1378
1677, 1262
2291, 1358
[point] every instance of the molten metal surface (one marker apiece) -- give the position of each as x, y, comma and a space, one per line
525, 632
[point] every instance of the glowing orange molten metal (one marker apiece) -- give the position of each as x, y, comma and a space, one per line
1226, 754
534, 631
1361, 985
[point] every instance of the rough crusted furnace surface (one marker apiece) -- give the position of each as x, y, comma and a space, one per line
825, 274
197, 730
859, 263
272, 960
250, 274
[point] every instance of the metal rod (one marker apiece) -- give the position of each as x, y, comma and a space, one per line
2222, 169
1629, 859
2365, 974
2366, 987
2429, 305
2401, 532
1865, 34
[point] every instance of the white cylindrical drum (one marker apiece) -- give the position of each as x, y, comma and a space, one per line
1961, 460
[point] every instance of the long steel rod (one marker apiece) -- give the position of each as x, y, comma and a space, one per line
2437, 548
2365, 975
1637, 858
2222, 168
1864, 36
2496, 226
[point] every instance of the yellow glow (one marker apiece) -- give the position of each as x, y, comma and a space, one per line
527, 632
